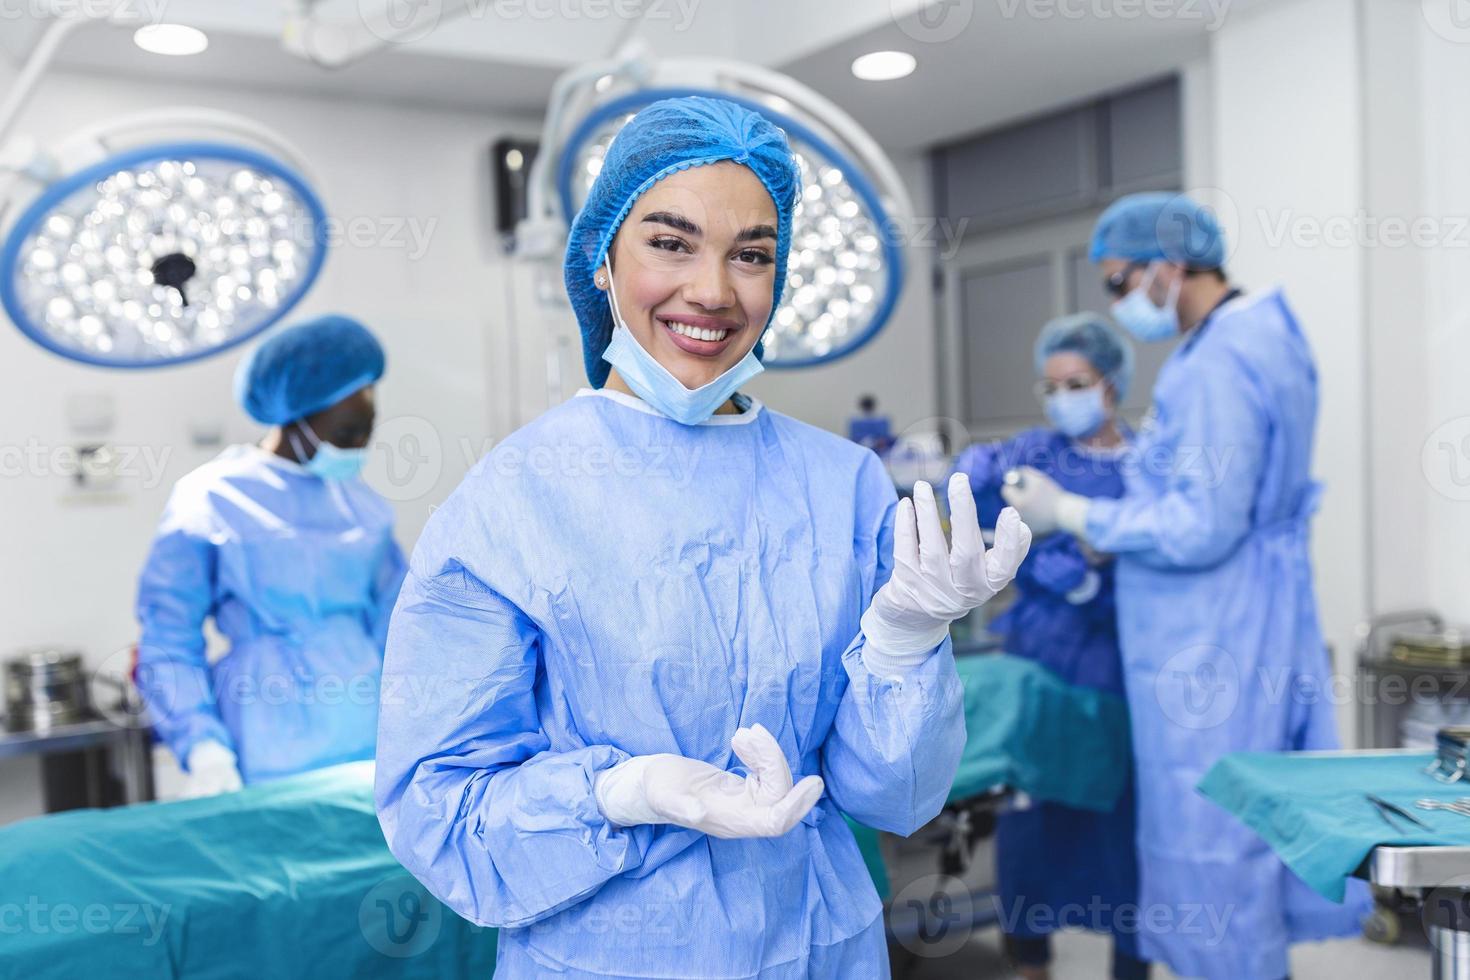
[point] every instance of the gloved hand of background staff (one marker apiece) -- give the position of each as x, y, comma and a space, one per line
213, 769
667, 788
1044, 505
934, 584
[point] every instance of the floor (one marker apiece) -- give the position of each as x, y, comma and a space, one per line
975, 954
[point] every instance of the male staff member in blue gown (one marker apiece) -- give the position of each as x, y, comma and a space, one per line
1216, 612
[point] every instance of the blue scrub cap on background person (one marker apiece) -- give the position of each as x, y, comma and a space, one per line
1159, 226
665, 137
306, 368
1091, 336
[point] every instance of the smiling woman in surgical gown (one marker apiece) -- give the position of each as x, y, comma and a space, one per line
657, 587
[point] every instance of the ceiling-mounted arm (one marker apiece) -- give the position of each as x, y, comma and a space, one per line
30, 73
337, 43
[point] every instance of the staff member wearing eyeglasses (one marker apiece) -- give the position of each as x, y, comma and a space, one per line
1215, 597
1058, 866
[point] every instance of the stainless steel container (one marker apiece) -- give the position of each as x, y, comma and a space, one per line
44, 687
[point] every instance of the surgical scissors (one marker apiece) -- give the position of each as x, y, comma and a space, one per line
1460, 806
1385, 809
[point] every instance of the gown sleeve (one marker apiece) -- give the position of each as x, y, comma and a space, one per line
1200, 511
985, 464
386, 585
471, 798
894, 747
175, 596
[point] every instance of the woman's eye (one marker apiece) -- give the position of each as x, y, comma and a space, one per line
755, 256
669, 244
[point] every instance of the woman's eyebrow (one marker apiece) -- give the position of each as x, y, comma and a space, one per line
755, 233
673, 221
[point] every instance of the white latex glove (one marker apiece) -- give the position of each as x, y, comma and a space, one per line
1045, 506
213, 769
934, 584
668, 788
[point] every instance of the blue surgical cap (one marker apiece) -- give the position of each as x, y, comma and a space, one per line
668, 136
306, 368
1091, 336
1159, 227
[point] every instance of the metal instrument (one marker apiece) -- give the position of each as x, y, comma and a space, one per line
44, 688
1460, 806
1389, 812
1452, 763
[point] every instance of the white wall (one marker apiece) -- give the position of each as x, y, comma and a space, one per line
466, 346
1397, 164
1446, 335
1288, 145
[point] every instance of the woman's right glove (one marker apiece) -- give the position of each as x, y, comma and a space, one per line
932, 584
667, 788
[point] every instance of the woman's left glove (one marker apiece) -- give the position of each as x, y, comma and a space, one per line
933, 584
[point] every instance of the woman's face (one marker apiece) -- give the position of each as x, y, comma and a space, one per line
1069, 371
694, 269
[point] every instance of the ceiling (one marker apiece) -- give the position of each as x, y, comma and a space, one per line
980, 62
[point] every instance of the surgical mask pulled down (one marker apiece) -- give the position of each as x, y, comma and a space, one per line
653, 382
1141, 317
1078, 413
330, 462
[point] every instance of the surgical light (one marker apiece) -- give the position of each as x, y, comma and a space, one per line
170, 39
128, 247
161, 253
884, 66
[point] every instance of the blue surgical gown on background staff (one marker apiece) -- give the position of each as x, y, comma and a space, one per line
609, 583
300, 574
1052, 858
1220, 636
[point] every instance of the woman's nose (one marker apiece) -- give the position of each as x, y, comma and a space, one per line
709, 285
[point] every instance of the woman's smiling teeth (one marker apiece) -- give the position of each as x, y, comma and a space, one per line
695, 333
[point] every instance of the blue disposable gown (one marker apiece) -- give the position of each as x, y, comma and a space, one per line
300, 574
1222, 649
1056, 865
609, 583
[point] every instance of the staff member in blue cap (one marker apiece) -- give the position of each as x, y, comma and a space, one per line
294, 558
676, 635
1216, 612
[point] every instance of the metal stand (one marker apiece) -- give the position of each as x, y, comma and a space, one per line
1451, 951
1440, 878
74, 764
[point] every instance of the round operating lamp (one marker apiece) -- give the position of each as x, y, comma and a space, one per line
162, 254
845, 272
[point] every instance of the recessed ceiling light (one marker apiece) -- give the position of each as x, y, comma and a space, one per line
174, 39
884, 66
